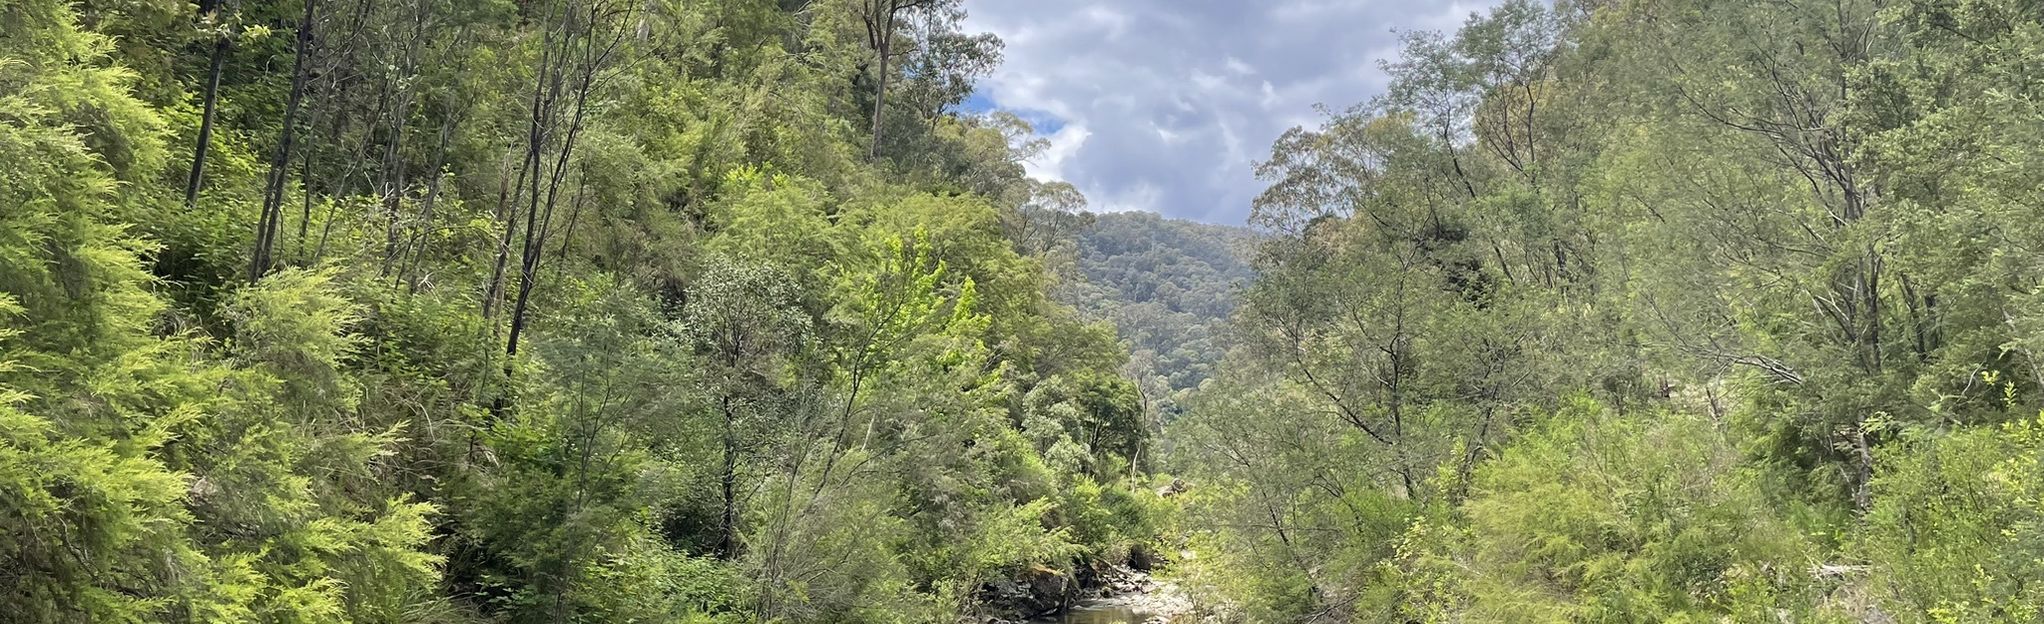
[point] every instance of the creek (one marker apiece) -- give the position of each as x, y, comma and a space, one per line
1134, 598
1101, 614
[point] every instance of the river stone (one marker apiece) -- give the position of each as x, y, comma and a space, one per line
1035, 592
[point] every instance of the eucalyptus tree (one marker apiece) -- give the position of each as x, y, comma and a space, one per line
1745, 118
918, 41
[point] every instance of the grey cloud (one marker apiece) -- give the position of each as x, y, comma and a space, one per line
1166, 104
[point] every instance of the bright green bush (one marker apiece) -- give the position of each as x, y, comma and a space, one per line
1957, 529
1601, 517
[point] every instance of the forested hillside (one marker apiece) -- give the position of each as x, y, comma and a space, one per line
496, 311
1168, 286
536, 311
1663, 311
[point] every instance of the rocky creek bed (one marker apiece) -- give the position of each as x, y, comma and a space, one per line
1116, 595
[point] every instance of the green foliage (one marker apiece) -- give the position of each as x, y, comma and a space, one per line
1168, 287
1598, 517
66, 496
1955, 526
755, 375
723, 311
1776, 245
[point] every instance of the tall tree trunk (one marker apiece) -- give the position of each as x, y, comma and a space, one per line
393, 177
880, 96
509, 198
507, 212
451, 114
727, 528
420, 237
221, 42
273, 196
336, 115
553, 75
880, 35
540, 217
537, 131
538, 220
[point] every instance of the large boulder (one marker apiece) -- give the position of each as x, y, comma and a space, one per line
1036, 591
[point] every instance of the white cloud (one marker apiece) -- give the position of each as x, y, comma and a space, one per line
1303, 10
1236, 66
1050, 165
1167, 103
1113, 22
1143, 196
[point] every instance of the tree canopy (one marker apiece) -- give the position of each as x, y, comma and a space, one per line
565, 310
1645, 311
740, 311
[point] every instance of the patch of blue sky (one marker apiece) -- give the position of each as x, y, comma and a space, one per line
1045, 123
978, 103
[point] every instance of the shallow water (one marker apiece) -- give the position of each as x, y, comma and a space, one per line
1100, 614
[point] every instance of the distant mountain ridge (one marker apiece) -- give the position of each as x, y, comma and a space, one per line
1169, 286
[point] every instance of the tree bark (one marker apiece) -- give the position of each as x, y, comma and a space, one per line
417, 247
273, 195
197, 176
727, 536
880, 90
508, 198
539, 218
880, 19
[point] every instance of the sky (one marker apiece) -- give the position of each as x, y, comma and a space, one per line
1166, 105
